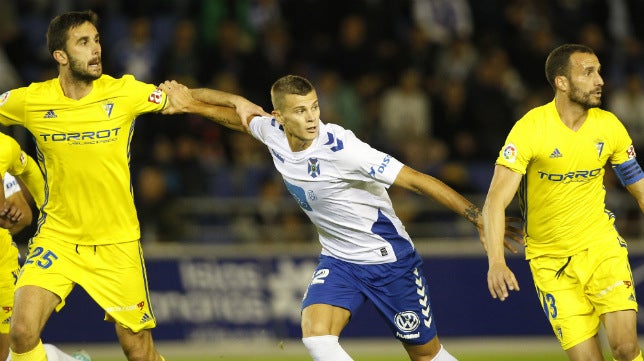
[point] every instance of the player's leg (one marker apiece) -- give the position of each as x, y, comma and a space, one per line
621, 330
406, 307
119, 285
611, 291
588, 349
32, 307
327, 306
4, 346
431, 351
321, 327
137, 346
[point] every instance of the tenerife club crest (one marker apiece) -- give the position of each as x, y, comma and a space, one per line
314, 167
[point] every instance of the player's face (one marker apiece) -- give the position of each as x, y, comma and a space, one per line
300, 116
83, 51
585, 82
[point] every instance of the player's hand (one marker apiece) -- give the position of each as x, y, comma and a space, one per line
513, 234
10, 214
248, 110
179, 97
500, 280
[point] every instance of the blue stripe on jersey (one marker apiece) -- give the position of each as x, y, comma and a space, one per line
385, 229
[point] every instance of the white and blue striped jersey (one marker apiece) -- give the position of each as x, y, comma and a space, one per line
341, 184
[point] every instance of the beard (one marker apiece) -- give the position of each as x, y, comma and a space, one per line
80, 73
583, 98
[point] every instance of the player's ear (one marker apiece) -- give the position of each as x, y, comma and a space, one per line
276, 114
561, 82
60, 56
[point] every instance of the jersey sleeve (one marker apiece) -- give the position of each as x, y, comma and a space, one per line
147, 98
517, 151
359, 161
12, 107
623, 145
11, 159
258, 126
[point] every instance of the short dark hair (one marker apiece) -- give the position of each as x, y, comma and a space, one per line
60, 25
289, 84
558, 62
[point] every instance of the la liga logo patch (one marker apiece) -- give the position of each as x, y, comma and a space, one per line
510, 153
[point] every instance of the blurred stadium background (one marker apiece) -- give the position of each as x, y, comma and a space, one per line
435, 83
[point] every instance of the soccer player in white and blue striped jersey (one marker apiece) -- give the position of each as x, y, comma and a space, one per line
341, 183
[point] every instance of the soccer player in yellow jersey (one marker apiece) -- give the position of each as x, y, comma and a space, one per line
88, 232
554, 160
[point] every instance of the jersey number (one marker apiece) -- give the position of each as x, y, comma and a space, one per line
549, 306
42, 258
319, 276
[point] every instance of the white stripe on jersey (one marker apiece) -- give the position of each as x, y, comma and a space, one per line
11, 185
341, 184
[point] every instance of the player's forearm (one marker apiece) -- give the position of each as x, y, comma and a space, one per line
32, 178
217, 97
494, 229
222, 115
637, 191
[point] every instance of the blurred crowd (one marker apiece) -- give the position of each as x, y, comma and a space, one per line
436, 83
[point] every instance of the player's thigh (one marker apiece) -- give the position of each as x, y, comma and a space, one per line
587, 350
564, 301
322, 319
621, 328
136, 345
32, 307
333, 294
423, 352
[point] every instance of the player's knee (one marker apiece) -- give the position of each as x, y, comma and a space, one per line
325, 348
23, 336
626, 351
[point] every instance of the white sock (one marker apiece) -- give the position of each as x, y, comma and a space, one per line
56, 354
443, 355
325, 348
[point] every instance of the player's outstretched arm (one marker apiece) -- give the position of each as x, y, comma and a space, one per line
181, 100
242, 106
503, 187
432, 187
637, 190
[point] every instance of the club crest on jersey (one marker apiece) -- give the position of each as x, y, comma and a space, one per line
4, 97
108, 108
630, 152
314, 167
510, 153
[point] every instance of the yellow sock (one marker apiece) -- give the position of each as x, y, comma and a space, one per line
638, 358
163, 359
36, 354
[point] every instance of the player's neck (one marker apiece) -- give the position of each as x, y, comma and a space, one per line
74, 88
571, 114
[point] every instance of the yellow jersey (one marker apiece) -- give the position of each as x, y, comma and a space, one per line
83, 149
562, 195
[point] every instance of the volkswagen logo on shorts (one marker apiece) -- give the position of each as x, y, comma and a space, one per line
407, 321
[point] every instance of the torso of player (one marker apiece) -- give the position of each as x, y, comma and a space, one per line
84, 147
562, 193
341, 184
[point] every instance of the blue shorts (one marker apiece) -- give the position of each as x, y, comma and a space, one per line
398, 290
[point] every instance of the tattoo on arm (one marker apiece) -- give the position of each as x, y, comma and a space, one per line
472, 214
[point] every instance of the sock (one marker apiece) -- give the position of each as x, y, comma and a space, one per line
56, 354
443, 355
325, 348
639, 357
36, 354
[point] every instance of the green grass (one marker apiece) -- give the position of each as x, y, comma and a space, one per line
488, 357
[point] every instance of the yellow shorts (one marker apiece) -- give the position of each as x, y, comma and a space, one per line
8, 273
591, 283
113, 275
